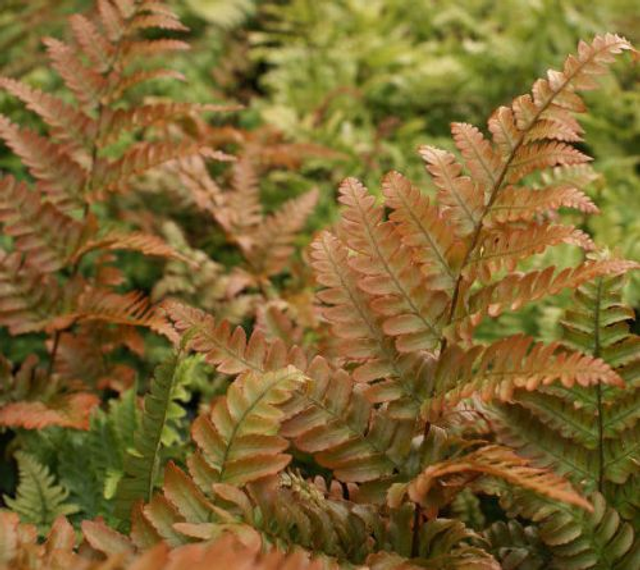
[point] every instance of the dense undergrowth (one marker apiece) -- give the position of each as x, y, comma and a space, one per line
219, 347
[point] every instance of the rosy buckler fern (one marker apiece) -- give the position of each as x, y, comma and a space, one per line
393, 416
57, 274
356, 450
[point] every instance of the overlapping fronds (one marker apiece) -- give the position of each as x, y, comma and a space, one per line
266, 241
341, 428
44, 234
271, 243
517, 547
28, 399
421, 225
411, 312
83, 153
350, 441
443, 544
577, 538
590, 433
497, 371
20, 550
348, 309
227, 348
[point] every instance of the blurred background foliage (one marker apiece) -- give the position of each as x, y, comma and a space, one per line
371, 80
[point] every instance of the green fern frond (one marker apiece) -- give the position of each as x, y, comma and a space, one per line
160, 418
39, 499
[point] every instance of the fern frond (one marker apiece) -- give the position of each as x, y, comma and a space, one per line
501, 248
517, 289
271, 242
228, 350
123, 121
590, 452
134, 50
39, 500
147, 244
443, 544
338, 424
482, 162
349, 312
46, 235
67, 410
138, 77
422, 226
86, 84
61, 177
243, 211
144, 157
68, 125
539, 156
497, 371
438, 483
162, 410
462, 201
131, 309
411, 313
238, 441
575, 538
92, 43
28, 299
516, 204
517, 547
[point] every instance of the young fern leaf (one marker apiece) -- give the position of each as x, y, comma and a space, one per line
162, 411
39, 500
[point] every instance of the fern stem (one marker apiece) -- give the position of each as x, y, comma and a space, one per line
596, 353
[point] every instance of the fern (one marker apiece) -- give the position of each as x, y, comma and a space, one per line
355, 441
28, 400
162, 411
599, 456
56, 273
39, 500
391, 414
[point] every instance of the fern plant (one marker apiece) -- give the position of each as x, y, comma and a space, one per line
39, 500
159, 422
590, 435
389, 412
57, 273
